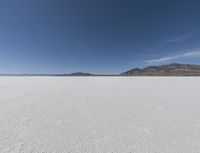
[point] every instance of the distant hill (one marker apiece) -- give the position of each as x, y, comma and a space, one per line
173, 69
80, 74
70, 74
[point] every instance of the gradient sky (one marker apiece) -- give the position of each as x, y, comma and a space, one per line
97, 36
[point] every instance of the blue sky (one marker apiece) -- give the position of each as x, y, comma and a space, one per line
97, 36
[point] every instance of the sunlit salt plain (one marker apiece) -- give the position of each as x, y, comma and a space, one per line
99, 115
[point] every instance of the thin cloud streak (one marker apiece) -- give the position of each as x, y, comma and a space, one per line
186, 55
180, 38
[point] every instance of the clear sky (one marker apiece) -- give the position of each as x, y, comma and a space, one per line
97, 36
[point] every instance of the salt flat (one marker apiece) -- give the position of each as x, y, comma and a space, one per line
99, 115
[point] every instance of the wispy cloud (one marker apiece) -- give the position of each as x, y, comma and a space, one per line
180, 38
168, 59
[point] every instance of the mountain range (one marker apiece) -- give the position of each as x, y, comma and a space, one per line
173, 69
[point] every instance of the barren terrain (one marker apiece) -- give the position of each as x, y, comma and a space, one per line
99, 115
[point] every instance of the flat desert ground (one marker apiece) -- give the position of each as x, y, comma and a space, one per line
99, 115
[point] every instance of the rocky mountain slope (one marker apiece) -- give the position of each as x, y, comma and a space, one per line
173, 69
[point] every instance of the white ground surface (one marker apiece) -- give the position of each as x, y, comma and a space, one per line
99, 115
